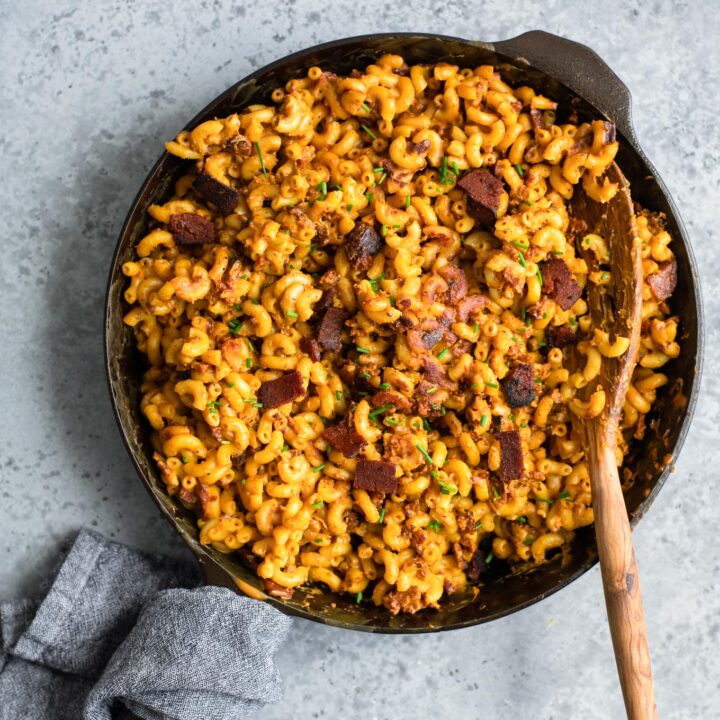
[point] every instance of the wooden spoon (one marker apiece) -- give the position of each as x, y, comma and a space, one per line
615, 308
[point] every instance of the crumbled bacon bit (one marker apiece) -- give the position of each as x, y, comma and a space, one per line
662, 283
219, 194
434, 373
609, 132
559, 283
277, 590
274, 393
483, 192
538, 119
457, 282
519, 386
345, 439
471, 305
375, 476
311, 348
329, 332
511, 458
407, 601
192, 229
394, 398
362, 242
560, 336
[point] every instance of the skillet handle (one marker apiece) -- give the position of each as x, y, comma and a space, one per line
580, 69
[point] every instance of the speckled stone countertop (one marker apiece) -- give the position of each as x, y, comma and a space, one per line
88, 93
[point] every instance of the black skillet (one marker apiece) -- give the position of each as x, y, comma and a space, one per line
561, 69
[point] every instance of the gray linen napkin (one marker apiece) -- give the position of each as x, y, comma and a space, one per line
121, 626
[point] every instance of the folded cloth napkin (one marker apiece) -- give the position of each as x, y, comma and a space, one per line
121, 627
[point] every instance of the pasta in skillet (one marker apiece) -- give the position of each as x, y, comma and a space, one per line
356, 308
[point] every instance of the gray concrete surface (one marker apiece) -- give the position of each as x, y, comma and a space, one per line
88, 93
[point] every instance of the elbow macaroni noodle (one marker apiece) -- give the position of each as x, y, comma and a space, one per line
216, 320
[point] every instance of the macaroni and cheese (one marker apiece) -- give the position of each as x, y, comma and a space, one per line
356, 309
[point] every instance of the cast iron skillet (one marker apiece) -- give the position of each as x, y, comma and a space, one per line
561, 69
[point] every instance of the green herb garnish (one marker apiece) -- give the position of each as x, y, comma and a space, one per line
262, 161
318, 504
435, 525
318, 468
447, 489
362, 350
442, 353
379, 411
424, 453
369, 132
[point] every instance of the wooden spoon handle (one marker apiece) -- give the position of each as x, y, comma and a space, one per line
621, 581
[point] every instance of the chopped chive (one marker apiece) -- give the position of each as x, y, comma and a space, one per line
230, 384
519, 169
604, 276
539, 276
318, 468
520, 245
369, 132
383, 230
522, 520
391, 421
483, 421
545, 500
284, 448
564, 495
365, 107
338, 395
318, 504
358, 598
407, 201
426, 425
455, 167
369, 196
442, 353
478, 525
322, 189
434, 474
291, 314
392, 301
248, 363
512, 417
573, 322
379, 169
489, 558
382, 516
476, 327
257, 405
384, 386
523, 425
424, 453
435, 525
491, 385
234, 326
523, 312
318, 541
557, 252
526, 202
362, 350
349, 207
262, 161
521, 260
183, 459
255, 302
495, 493
447, 489
366, 375
380, 411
